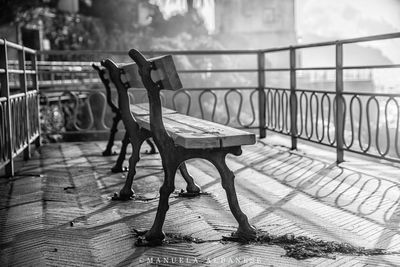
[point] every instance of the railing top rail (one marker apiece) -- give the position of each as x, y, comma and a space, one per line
371, 38
17, 46
64, 63
355, 94
391, 66
342, 41
287, 48
158, 52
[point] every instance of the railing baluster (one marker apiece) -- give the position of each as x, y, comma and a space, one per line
261, 93
339, 127
5, 92
293, 98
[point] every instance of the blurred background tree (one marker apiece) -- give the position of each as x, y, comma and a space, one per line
102, 24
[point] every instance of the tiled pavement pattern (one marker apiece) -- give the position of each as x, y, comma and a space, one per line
57, 211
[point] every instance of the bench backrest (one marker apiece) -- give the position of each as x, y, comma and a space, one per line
163, 73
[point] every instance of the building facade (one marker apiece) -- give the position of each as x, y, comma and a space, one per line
255, 24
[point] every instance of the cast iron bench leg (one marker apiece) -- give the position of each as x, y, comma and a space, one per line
155, 235
152, 147
126, 192
113, 131
192, 188
118, 167
245, 231
114, 109
114, 128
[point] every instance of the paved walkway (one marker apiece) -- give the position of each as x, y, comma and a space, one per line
57, 210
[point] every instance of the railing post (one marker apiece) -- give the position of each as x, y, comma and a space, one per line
339, 127
5, 92
293, 98
36, 88
261, 92
24, 87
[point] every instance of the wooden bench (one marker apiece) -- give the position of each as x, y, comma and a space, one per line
118, 167
178, 137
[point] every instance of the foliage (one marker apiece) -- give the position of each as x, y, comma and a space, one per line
64, 31
105, 25
51, 123
11, 8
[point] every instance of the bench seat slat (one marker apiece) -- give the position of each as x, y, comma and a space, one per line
226, 135
183, 135
191, 132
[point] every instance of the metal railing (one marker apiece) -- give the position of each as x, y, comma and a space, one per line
246, 89
19, 103
349, 119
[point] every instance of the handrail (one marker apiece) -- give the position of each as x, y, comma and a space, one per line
151, 52
329, 43
332, 68
17, 46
